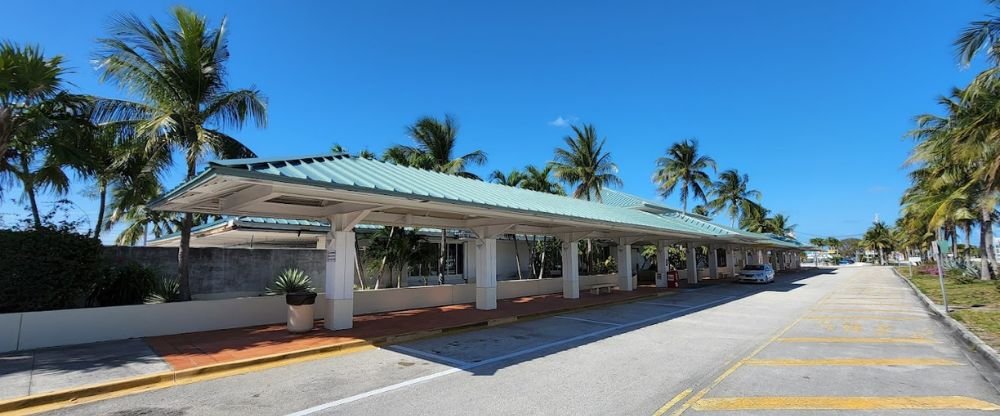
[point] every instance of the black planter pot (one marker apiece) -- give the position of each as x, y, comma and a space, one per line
300, 298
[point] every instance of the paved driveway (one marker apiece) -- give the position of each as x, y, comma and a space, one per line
841, 340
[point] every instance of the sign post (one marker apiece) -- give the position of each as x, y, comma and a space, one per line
942, 246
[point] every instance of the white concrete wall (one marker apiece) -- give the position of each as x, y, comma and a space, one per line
517, 288
29, 330
507, 262
382, 300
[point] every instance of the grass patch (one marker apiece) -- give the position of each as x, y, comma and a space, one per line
975, 304
976, 294
985, 323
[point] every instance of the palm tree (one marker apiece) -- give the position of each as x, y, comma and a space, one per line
584, 164
178, 73
540, 180
685, 167
32, 94
779, 225
434, 149
701, 210
513, 179
982, 35
731, 193
817, 242
754, 219
878, 237
833, 243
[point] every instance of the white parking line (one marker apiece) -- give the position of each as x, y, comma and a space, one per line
672, 305
497, 359
426, 355
586, 320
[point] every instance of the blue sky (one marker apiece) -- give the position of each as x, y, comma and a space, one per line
811, 99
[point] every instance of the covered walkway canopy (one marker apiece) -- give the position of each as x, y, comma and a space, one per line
343, 191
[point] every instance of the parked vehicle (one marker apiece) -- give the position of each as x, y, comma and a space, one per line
757, 273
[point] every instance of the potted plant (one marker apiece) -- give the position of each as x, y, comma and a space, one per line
299, 295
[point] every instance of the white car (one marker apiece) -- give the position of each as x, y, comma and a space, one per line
757, 273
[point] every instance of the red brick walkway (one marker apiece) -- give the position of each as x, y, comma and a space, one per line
197, 349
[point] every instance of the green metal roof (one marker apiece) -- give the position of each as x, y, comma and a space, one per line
344, 172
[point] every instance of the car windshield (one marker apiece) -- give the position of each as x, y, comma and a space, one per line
754, 267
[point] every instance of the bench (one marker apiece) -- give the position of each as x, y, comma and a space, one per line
596, 289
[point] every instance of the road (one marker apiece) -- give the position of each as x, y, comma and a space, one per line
852, 340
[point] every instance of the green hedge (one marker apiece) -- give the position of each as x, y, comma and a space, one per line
47, 269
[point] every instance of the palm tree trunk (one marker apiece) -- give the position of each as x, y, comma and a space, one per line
29, 188
968, 240
517, 258
986, 231
385, 258
357, 264
100, 211
441, 257
184, 249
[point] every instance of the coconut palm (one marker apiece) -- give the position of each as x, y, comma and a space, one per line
701, 210
979, 36
833, 243
434, 149
683, 166
33, 96
779, 225
540, 180
817, 242
731, 193
754, 219
514, 178
584, 165
178, 74
879, 238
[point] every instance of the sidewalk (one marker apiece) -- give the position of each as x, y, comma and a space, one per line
31, 373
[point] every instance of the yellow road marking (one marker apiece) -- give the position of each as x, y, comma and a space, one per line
701, 393
859, 362
859, 340
680, 396
863, 317
845, 403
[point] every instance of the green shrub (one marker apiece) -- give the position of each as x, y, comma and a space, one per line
128, 283
47, 268
291, 280
164, 290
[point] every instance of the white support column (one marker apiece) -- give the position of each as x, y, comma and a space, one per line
692, 264
713, 261
339, 274
570, 268
760, 257
339, 280
486, 273
662, 263
731, 260
624, 261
